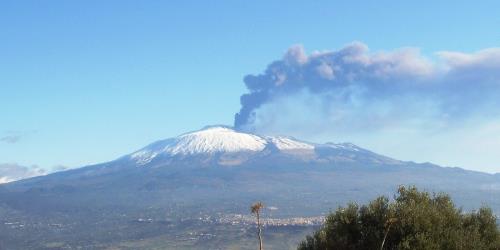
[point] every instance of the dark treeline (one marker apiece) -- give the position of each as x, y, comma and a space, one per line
413, 220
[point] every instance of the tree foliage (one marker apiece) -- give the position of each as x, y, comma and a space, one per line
413, 220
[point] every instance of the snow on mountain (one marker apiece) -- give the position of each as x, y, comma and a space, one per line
217, 139
225, 140
287, 143
346, 146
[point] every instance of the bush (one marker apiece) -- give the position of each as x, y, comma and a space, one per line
414, 220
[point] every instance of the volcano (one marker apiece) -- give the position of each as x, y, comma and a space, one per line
195, 189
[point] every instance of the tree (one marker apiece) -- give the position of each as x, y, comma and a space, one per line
413, 220
255, 209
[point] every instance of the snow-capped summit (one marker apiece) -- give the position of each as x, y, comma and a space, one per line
289, 143
215, 139
232, 147
209, 140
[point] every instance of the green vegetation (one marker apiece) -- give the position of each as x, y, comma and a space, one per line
414, 220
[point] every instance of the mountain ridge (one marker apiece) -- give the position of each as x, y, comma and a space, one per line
174, 188
226, 142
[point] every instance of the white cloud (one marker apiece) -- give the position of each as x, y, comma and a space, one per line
483, 58
325, 71
13, 172
295, 55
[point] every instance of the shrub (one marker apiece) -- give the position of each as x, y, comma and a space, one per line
413, 220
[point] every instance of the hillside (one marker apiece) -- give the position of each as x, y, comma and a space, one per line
194, 188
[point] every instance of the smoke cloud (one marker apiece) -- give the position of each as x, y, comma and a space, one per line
356, 89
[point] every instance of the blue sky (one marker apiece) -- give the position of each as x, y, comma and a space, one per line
84, 82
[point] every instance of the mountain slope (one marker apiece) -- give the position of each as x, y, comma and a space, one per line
189, 183
226, 146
